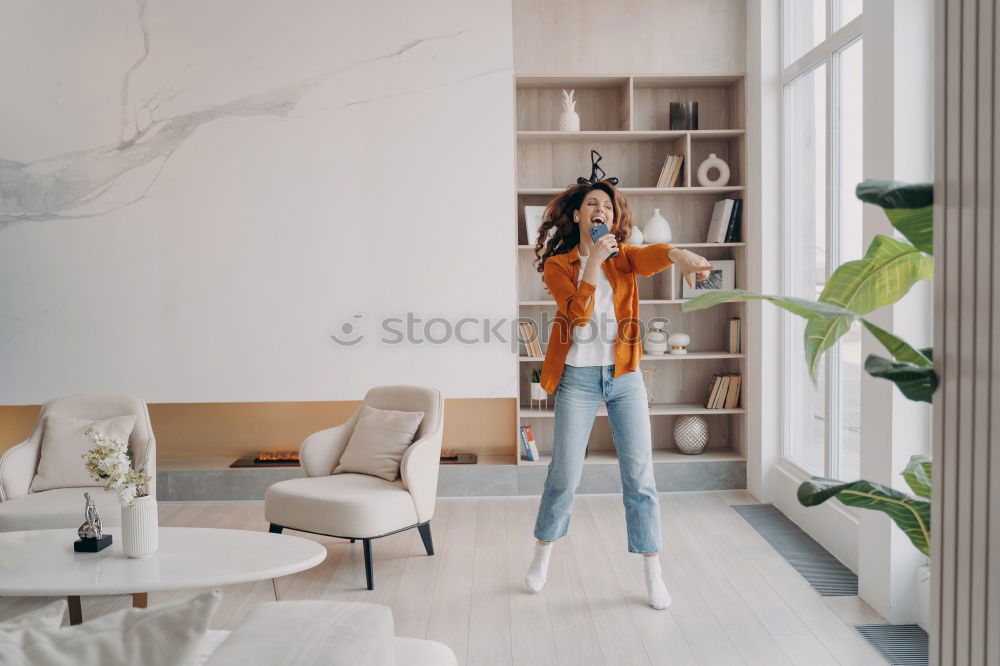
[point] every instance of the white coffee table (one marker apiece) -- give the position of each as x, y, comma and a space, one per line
42, 563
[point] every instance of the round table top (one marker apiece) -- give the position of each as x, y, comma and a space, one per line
43, 563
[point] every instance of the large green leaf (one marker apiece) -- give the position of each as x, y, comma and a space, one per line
886, 273
915, 382
918, 475
911, 514
908, 207
800, 306
899, 348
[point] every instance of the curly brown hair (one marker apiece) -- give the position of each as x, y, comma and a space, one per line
559, 214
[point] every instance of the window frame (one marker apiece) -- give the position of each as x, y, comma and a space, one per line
824, 53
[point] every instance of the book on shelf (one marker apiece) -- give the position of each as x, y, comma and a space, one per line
528, 446
724, 391
735, 326
733, 395
720, 221
670, 170
733, 232
529, 336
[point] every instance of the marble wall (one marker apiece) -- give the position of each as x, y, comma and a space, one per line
195, 196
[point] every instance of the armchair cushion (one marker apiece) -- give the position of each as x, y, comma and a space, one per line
60, 463
379, 440
344, 505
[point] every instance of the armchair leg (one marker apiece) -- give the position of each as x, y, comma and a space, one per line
425, 534
368, 562
275, 529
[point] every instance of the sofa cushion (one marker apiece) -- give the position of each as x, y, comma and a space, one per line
346, 505
310, 633
163, 635
57, 508
378, 442
60, 462
420, 652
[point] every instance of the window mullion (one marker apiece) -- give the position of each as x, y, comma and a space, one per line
832, 375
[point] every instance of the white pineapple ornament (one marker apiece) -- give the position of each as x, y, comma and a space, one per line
569, 121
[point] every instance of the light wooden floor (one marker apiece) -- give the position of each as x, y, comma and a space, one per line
735, 600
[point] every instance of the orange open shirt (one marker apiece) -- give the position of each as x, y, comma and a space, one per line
576, 304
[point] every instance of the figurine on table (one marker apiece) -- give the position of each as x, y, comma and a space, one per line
91, 538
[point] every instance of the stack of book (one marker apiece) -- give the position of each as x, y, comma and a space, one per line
724, 391
528, 446
725, 225
526, 331
670, 171
735, 335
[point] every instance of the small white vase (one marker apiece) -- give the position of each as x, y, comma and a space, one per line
537, 393
140, 528
924, 596
657, 229
713, 162
635, 238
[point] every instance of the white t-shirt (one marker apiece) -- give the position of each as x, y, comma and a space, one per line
594, 343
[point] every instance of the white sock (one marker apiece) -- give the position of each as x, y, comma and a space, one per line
535, 578
659, 598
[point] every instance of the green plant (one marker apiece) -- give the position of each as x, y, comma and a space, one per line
884, 275
536, 376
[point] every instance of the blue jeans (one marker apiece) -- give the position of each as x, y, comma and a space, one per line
580, 391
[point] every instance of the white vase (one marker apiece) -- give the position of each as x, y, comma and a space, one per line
635, 238
713, 162
140, 528
691, 434
537, 393
657, 229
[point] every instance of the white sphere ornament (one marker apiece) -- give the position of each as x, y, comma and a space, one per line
569, 121
678, 343
691, 434
713, 162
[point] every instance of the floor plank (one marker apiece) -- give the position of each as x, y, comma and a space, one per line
734, 599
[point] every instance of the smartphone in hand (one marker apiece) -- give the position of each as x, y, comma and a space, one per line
597, 232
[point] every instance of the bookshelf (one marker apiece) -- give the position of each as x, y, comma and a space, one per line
626, 119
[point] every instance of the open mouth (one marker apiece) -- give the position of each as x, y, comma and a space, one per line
594, 221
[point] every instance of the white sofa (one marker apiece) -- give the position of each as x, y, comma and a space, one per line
323, 633
359, 506
21, 509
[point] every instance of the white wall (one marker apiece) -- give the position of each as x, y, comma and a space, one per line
192, 219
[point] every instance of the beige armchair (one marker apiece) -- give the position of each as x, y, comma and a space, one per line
21, 509
359, 506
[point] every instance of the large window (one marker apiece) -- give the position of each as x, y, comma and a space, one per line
822, 158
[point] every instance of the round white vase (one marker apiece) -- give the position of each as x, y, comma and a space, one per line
657, 229
713, 162
691, 434
537, 392
636, 237
140, 528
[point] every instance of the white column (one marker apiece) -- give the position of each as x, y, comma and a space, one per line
966, 483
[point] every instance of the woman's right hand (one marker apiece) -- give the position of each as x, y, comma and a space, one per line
604, 247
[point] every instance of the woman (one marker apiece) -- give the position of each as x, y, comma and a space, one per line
593, 357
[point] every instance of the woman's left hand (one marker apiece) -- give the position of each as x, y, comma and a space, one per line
689, 263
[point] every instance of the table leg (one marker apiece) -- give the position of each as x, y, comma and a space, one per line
140, 600
274, 586
75, 613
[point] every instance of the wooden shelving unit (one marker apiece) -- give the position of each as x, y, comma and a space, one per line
626, 119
